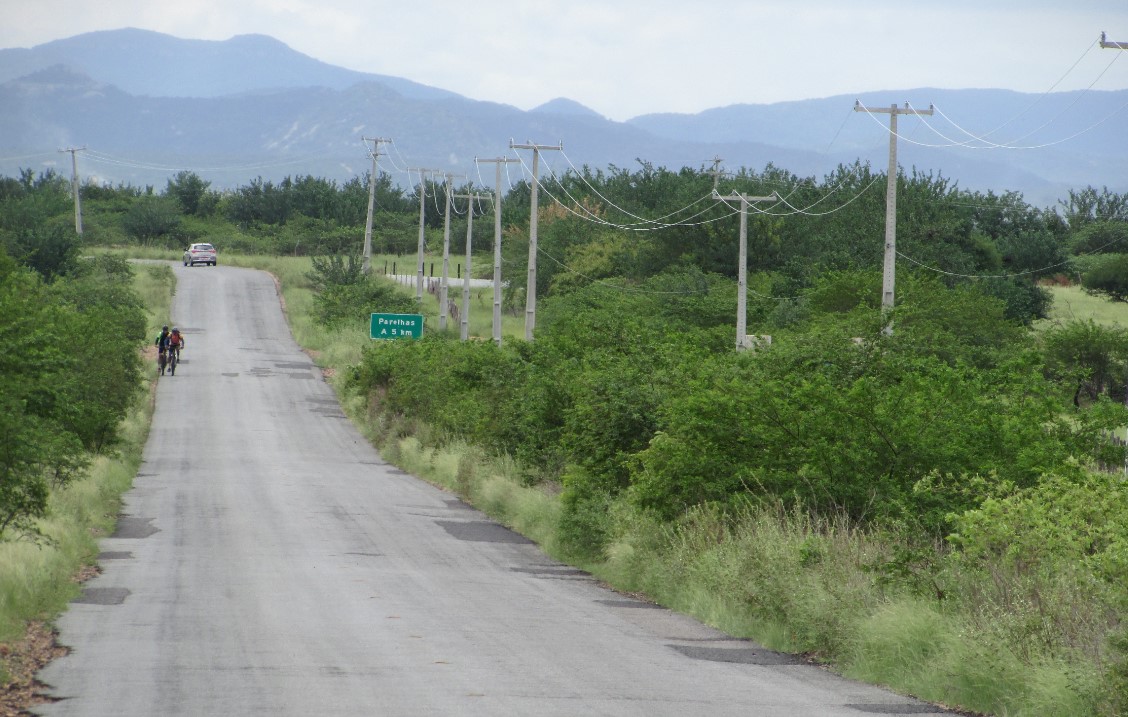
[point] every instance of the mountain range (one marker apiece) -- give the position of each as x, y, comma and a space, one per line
146, 104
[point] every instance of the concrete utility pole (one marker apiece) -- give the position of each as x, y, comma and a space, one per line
1112, 45
531, 284
742, 268
75, 188
498, 162
443, 282
890, 268
1107, 45
422, 235
716, 171
376, 142
464, 319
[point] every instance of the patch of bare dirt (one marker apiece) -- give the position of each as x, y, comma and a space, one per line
21, 661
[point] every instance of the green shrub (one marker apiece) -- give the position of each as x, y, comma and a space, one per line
585, 520
153, 220
1109, 277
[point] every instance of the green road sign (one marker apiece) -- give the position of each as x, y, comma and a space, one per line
396, 326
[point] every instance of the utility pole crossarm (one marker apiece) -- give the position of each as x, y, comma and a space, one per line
892, 109
530, 145
1106, 44
737, 197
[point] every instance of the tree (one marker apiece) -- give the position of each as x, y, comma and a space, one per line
260, 202
152, 220
37, 225
191, 193
1091, 357
1089, 205
34, 445
97, 395
1109, 277
1101, 237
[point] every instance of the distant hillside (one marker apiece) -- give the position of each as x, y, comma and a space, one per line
147, 104
142, 62
565, 106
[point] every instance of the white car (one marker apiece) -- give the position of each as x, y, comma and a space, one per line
199, 254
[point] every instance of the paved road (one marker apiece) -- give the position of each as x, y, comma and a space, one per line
269, 562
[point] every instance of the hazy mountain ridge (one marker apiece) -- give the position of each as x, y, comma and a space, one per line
253, 106
176, 67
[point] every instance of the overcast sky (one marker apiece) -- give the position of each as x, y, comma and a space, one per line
623, 58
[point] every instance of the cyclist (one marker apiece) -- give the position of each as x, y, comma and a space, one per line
163, 339
176, 342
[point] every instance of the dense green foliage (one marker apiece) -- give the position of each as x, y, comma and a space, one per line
69, 368
968, 444
618, 395
1108, 276
70, 330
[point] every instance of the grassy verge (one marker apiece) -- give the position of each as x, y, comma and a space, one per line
37, 580
805, 586
1072, 303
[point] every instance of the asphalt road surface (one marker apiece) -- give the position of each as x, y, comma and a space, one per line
269, 562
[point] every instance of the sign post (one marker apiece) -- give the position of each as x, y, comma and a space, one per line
396, 326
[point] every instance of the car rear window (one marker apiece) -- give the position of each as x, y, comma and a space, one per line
205, 247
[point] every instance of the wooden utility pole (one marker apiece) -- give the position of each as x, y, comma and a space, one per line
464, 319
889, 275
531, 284
742, 267
75, 187
376, 142
498, 162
